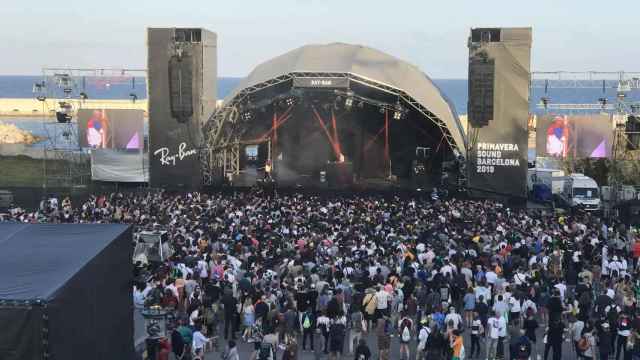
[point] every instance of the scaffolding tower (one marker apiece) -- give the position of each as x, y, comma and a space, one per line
65, 164
619, 96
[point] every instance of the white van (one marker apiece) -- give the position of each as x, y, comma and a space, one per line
580, 190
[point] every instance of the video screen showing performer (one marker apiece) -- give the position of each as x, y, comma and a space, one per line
98, 134
121, 129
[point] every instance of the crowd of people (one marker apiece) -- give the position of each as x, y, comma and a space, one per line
348, 276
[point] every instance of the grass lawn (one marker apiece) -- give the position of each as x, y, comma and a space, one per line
23, 171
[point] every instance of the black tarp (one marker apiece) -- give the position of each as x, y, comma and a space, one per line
65, 290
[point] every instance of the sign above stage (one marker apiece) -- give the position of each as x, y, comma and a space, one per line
321, 82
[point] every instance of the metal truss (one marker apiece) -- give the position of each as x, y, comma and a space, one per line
224, 129
584, 79
64, 162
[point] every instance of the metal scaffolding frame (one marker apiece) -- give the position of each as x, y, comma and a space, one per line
64, 163
621, 81
619, 108
224, 129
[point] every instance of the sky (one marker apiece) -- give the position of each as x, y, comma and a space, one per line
568, 35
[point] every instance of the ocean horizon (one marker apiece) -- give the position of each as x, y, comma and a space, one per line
21, 87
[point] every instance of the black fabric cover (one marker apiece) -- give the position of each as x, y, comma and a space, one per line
74, 280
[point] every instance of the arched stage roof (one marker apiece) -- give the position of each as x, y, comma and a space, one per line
368, 66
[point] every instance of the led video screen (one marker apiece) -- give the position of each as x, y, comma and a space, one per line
577, 136
120, 129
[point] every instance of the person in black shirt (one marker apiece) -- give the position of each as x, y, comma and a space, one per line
230, 310
312, 297
554, 339
605, 340
555, 307
530, 325
483, 311
212, 291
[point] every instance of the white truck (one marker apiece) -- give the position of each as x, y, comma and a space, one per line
553, 178
581, 191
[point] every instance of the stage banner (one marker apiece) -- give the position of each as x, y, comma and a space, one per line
321, 82
499, 73
574, 136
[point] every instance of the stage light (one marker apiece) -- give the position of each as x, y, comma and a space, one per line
63, 117
348, 103
39, 87
290, 101
247, 115
399, 111
545, 101
603, 102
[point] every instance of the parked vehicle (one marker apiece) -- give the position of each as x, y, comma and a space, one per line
580, 191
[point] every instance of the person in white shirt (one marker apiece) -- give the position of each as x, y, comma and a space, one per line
423, 336
562, 288
382, 298
454, 317
529, 304
199, 341
515, 310
491, 277
483, 291
500, 306
477, 330
494, 331
323, 323
520, 277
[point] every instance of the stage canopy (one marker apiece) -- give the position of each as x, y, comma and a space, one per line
364, 65
65, 291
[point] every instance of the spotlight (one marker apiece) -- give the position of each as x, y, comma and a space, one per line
603, 102
290, 101
39, 87
247, 115
545, 101
62, 117
399, 111
348, 103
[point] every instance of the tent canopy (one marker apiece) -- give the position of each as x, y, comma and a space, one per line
364, 62
38, 260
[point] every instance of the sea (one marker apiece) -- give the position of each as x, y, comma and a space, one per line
455, 90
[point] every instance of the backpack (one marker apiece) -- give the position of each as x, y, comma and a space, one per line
266, 352
406, 326
306, 323
583, 344
406, 334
